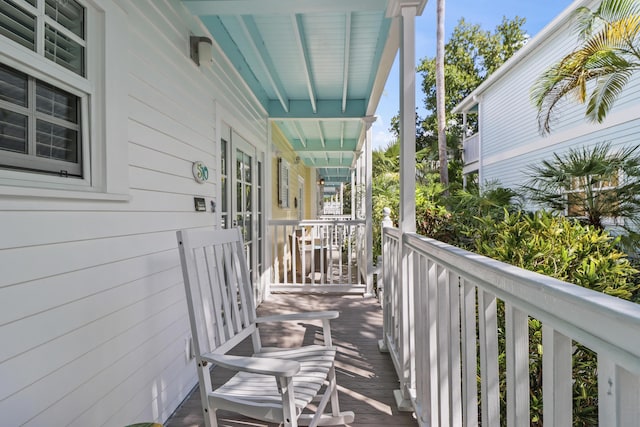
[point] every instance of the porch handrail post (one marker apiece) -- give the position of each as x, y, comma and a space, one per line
385, 293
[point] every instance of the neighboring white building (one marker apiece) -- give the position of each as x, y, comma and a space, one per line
105, 123
507, 140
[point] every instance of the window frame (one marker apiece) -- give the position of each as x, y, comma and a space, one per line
103, 91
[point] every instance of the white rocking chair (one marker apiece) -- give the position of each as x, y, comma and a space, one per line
273, 385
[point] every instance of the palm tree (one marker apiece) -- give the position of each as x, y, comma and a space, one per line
592, 184
609, 55
440, 97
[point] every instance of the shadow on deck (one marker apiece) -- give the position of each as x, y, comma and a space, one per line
366, 377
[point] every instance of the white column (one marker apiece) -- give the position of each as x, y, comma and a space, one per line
369, 202
407, 213
407, 222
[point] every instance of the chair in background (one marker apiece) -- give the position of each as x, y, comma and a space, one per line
274, 385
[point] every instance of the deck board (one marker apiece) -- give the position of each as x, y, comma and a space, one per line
366, 377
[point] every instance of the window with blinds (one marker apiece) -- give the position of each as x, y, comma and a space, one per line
63, 37
283, 183
40, 123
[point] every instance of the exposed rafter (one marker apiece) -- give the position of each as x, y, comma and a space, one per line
301, 42
342, 134
299, 132
321, 133
347, 57
257, 44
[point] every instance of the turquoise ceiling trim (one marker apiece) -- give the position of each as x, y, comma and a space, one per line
315, 67
226, 43
326, 109
242, 7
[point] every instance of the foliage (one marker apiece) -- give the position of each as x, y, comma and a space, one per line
609, 55
471, 55
467, 206
594, 183
567, 250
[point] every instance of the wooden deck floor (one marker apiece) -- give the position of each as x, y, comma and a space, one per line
366, 377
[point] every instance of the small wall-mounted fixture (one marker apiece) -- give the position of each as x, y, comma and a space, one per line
321, 182
297, 160
200, 49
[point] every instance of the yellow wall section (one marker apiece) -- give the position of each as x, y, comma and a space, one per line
285, 151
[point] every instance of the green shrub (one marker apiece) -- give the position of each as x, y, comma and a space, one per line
569, 251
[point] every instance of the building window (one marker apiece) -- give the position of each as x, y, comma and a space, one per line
52, 28
39, 125
41, 118
283, 183
589, 191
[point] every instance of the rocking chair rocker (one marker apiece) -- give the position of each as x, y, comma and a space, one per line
273, 385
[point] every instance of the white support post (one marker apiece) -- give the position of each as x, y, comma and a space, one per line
368, 121
407, 217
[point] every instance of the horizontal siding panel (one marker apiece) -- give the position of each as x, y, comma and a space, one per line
130, 378
162, 122
140, 200
31, 298
146, 388
17, 265
514, 171
54, 228
145, 136
137, 324
61, 323
146, 179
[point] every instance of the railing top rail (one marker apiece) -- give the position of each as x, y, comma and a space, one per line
599, 321
311, 222
392, 232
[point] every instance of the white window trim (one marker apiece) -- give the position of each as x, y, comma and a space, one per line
103, 93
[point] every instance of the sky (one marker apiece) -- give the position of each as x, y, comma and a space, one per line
487, 13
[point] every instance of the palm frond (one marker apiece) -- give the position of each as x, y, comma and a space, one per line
607, 90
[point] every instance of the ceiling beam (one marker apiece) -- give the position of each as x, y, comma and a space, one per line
250, 29
326, 109
347, 57
242, 7
306, 62
313, 148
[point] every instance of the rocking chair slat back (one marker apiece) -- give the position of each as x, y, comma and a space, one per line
222, 308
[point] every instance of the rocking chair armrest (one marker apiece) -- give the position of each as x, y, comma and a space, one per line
292, 317
255, 365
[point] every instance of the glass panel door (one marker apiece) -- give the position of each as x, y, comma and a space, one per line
244, 180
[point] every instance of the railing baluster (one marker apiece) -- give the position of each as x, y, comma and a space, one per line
455, 377
470, 355
517, 348
489, 383
556, 378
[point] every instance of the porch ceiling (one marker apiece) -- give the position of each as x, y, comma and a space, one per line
318, 67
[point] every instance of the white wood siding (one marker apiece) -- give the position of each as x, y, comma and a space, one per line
508, 120
93, 320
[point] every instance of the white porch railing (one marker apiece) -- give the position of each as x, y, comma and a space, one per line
471, 149
318, 256
440, 315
